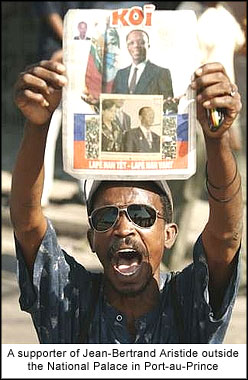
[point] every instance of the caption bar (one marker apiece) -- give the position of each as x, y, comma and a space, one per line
158, 361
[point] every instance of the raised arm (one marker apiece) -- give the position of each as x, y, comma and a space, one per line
222, 234
37, 94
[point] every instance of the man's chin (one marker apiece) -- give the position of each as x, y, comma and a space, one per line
139, 58
131, 293
130, 288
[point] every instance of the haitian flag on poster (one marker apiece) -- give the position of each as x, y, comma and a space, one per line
102, 61
111, 55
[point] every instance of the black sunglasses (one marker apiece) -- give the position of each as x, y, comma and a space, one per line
104, 218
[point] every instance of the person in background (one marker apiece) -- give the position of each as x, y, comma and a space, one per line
51, 15
213, 46
50, 33
219, 36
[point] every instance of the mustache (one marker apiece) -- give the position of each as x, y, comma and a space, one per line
129, 242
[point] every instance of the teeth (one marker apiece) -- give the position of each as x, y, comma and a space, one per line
127, 261
120, 270
127, 250
123, 266
127, 270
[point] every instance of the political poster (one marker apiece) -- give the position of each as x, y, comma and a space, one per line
128, 109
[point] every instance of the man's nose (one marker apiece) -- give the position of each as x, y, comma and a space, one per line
123, 226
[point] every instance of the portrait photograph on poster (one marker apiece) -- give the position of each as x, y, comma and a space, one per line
131, 126
128, 108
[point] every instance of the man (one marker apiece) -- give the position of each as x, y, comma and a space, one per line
50, 32
121, 117
143, 76
142, 139
50, 36
82, 29
131, 225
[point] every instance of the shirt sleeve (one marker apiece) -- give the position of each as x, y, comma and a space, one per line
58, 292
202, 325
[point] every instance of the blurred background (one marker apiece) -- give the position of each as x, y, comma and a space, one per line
21, 33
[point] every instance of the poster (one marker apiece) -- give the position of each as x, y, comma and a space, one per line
128, 109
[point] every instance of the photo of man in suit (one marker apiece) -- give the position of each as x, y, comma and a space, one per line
82, 30
142, 139
143, 76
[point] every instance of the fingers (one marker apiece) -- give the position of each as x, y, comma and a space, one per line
40, 84
207, 68
219, 95
22, 97
171, 100
29, 80
49, 65
210, 90
209, 83
89, 99
45, 77
215, 90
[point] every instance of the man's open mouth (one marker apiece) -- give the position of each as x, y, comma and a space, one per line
127, 261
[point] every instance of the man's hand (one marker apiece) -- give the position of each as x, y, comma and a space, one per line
91, 100
37, 91
214, 90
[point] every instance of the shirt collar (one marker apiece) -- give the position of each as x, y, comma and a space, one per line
145, 130
140, 65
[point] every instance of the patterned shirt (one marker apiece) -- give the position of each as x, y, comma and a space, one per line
60, 294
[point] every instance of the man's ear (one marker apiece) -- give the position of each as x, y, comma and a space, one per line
171, 230
90, 237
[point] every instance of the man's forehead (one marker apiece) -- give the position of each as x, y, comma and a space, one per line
122, 193
93, 189
147, 110
137, 33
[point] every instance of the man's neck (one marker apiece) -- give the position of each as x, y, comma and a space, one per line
134, 306
145, 128
140, 64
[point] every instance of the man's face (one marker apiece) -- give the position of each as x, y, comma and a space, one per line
137, 44
130, 255
82, 27
147, 117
